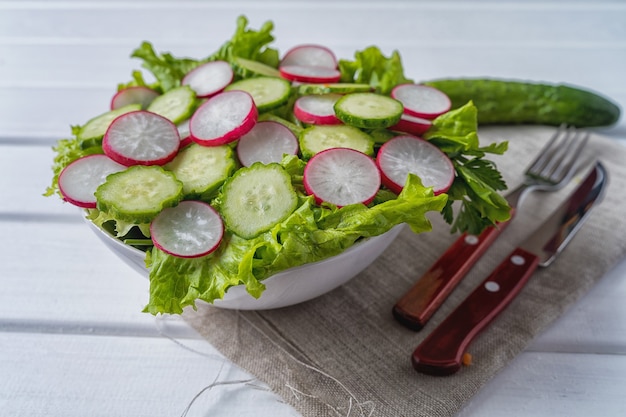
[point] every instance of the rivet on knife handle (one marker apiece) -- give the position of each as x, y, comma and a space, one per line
421, 301
442, 351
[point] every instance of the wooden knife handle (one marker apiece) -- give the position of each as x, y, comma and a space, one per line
421, 301
442, 351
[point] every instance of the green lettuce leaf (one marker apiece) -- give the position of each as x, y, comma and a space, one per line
166, 68
249, 44
245, 43
371, 66
310, 234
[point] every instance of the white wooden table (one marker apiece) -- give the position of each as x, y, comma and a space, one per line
73, 340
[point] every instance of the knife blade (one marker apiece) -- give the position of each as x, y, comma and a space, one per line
442, 351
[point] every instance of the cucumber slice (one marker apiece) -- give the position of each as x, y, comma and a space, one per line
96, 128
202, 169
321, 137
177, 104
257, 198
137, 194
247, 67
368, 110
267, 92
338, 88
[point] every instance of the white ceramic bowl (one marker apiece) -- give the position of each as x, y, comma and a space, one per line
292, 286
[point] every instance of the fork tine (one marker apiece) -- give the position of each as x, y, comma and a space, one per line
544, 156
557, 159
565, 169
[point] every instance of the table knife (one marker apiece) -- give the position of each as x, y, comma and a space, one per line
442, 351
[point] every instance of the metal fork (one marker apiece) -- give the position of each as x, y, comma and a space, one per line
554, 165
550, 171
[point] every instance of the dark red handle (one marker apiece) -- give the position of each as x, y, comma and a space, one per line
442, 351
421, 301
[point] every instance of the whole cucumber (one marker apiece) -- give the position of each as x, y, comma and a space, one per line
518, 102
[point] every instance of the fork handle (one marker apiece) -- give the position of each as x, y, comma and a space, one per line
441, 352
420, 302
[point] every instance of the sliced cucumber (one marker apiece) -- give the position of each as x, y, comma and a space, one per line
257, 198
321, 137
137, 194
267, 92
203, 169
95, 128
368, 110
177, 104
247, 67
339, 88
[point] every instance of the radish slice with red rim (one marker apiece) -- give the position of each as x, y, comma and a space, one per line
209, 79
342, 176
317, 109
133, 95
141, 138
79, 180
183, 132
309, 73
421, 100
223, 118
308, 55
188, 230
409, 154
266, 142
412, 124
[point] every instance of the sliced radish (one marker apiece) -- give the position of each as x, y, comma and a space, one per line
412, 124
266, 142
210, 78
309, 73
79, 180
189, 230
342, 176
308, 55
317, 109
223, 118
183, 132
408, 154
141, 138
133, 95
421, 100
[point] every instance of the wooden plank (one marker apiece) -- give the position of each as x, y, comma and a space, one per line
28, 174
554, 384
564, 26
62, 272
61, 375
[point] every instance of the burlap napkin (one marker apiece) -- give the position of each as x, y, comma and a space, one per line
343, 353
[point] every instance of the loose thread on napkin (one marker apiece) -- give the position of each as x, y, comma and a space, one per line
216, 382
351, 397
